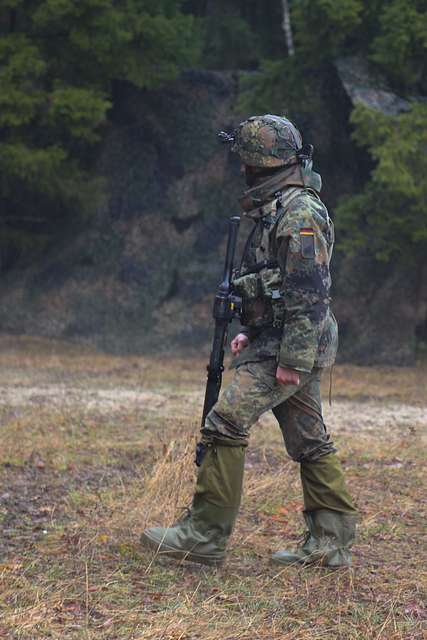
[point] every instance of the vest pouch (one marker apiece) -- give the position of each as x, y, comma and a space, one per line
256, 310
271, 282
248, 286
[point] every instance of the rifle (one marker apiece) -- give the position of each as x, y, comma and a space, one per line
226, 307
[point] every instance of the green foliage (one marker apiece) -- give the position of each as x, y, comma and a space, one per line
237, 34
389, 219
161, 47
58, 62
142, 42
277, 88
61, 59
401, 46
322, 27
229, 42
21, 70
34, 167
77, 111
392, 34
290, 87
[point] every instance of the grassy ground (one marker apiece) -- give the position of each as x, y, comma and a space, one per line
96, 447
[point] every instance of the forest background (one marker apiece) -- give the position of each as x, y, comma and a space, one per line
114, 193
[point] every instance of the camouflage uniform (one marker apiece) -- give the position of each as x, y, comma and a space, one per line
286, 315
284, 283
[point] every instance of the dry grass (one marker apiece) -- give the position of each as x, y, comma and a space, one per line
95, 447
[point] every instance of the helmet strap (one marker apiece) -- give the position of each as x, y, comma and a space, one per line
305, 156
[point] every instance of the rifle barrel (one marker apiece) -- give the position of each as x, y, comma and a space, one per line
233, 229
223, 312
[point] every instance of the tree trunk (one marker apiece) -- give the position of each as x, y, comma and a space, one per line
12, 20
287, 29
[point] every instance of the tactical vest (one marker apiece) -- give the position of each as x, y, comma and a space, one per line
259, 280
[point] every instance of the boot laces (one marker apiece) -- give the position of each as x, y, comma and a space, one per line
185, 514
305, 538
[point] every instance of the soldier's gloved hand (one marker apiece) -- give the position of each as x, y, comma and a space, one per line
239, 343
287, 376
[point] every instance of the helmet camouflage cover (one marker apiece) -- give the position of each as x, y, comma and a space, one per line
267, 141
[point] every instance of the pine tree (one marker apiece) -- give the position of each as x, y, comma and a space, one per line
58, 61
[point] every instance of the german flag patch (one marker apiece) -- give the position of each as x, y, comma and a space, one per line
307, 242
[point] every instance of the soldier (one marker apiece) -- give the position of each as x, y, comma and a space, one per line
289, 335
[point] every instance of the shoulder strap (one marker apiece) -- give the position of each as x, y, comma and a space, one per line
289, 195
285, 200
282, 208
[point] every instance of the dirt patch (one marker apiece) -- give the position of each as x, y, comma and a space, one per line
344, 415
63, 395
35, 498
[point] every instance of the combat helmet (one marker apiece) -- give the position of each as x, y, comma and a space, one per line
267, 141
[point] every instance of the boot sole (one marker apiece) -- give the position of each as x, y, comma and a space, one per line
320, 562
165, 550
296, 561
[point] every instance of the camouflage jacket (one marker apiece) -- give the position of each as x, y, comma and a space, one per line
284, 278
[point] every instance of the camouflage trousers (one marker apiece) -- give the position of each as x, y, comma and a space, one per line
253, 391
